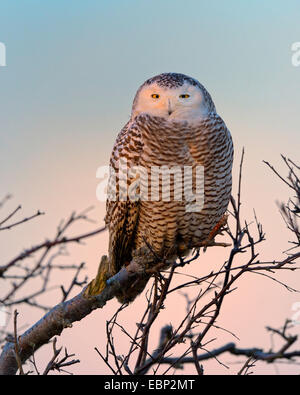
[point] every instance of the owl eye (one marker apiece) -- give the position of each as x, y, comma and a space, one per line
155, 96
184, 96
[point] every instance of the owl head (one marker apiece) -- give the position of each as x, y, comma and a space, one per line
173, 96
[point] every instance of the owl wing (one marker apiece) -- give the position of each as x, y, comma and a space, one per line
211, 145
122, 214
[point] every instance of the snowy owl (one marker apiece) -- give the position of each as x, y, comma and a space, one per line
173, 125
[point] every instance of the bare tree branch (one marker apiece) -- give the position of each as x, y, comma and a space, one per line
62, 316
201, 314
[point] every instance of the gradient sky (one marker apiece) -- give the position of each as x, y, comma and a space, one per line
72, 71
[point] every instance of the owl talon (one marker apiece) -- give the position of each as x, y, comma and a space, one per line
217, 230
157, 268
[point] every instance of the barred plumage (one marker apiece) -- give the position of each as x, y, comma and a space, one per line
175, 133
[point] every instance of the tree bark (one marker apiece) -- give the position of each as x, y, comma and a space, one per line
62, 316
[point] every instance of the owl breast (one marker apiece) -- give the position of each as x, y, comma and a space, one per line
181, 159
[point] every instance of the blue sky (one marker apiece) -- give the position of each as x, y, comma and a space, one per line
73, 69
78, 58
